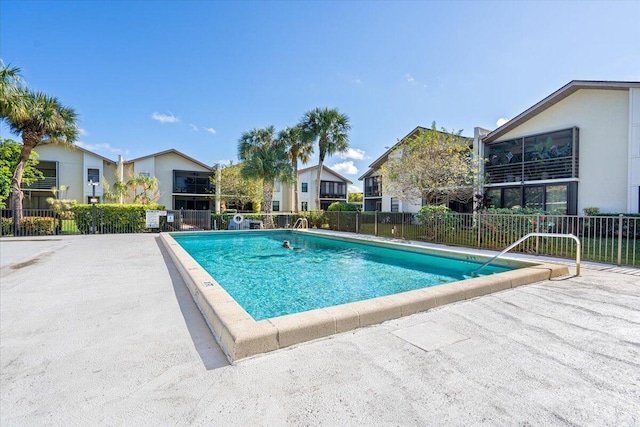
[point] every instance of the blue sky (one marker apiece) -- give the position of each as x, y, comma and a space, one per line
146, 76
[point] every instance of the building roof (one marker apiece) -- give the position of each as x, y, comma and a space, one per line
84, 150
171, 151
328, 169
553, 99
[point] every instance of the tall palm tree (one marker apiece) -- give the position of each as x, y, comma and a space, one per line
331, 129
299, 147
39, 119
265, 159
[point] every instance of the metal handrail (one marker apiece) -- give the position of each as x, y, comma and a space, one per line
522, 239
301, 223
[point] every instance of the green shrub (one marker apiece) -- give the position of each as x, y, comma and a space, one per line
113, 218
591, 211
342, 206
37, 226
316, 219
7, 226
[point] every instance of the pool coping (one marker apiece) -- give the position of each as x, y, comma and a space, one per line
240, 336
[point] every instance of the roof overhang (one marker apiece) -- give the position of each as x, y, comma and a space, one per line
553, 99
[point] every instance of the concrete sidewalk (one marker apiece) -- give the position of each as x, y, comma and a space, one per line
100, 330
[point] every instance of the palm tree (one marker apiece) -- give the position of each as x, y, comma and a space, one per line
299, 147
10, 93
331, 129
264, 159
39, 119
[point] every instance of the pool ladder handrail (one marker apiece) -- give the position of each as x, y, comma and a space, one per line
523, 238
301, 223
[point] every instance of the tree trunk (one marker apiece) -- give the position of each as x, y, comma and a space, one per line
318, 177
16, 180
267, 197
294, 162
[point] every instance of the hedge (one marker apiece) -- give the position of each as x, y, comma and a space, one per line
113, 218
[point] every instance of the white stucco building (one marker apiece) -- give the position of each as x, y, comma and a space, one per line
184, 182
72, 168
333, 188
577, 148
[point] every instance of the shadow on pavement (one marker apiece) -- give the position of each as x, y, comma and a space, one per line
206, 346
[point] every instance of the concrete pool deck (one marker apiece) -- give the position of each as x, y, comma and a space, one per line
101, 330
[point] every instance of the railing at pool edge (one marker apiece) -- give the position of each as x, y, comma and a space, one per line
523, 238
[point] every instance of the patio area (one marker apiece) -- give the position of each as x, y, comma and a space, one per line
101, 330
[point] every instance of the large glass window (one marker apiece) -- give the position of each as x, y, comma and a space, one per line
373, 186
305, 206
554, 198
333, 190
534, 197
550, 155
275, 205
395, 205
305, 187
511, 197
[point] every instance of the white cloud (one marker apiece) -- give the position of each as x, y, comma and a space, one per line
103, 147
347, 168
352, 153
212, 131
224, 162
354, 189
357, 81
193, 127
501, 121
165, 118
410, 79
82, 132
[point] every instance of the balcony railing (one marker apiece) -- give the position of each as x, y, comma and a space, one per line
44, 184
193, 189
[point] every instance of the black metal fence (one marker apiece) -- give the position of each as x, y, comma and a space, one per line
608, 239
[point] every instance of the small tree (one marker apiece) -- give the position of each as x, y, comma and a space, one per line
9, 156
431, 165
355, 197
236, 190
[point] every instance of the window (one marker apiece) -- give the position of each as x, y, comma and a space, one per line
275, 206
373, 186
395, 205
305, 187
93, 175
145, 174
305, 206
333, 190
550, 155
560, 199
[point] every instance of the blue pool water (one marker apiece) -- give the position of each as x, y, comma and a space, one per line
268, 280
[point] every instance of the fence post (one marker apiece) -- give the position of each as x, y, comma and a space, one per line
375, 223
402, 226
478, 220
619, 240
537, 237
357, 222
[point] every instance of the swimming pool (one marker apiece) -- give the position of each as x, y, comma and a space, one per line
268, 280
240, 335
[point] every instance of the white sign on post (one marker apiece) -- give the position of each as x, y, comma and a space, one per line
153, 219
169, 217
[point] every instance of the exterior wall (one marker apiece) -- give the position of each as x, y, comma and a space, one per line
633, 202
162, 168
286, 197
602, 117
72, 170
